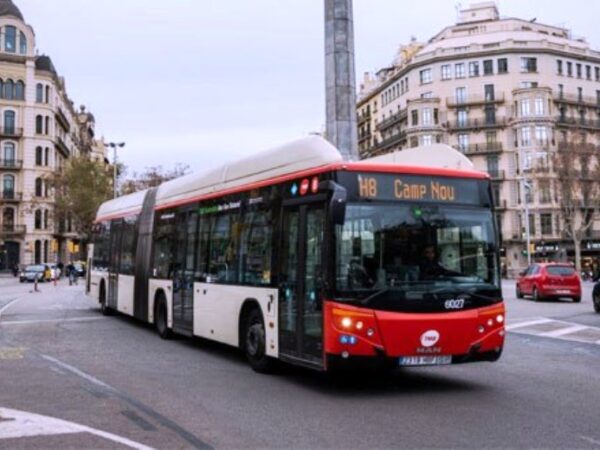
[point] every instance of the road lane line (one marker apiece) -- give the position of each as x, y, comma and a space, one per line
590, 440
70, 319
19, 424
563, 331
528, 323
164, 421
5, 307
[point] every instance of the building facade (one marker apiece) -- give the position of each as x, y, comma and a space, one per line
39, 130
506, 92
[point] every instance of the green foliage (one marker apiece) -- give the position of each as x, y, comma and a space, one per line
152, 177
80, 188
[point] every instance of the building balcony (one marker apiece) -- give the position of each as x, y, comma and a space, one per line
481, 149
364, 137
392, 120
391, 141
11, 164
363, 118
11, 132
578, 100
578, 123
500, 205
475, 124
474, 100
12, 230
62, 120
497, 175
62, 147
11, 196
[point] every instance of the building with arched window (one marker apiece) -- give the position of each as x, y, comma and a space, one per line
506, 92
39, 130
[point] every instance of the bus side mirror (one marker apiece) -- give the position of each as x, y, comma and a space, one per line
337, 201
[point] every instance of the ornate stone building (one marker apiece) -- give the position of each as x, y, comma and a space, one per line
39, 130
504, 91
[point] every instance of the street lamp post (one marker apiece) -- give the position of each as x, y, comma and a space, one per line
524, 186
114, 146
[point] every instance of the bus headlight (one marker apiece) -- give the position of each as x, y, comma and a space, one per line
346, 322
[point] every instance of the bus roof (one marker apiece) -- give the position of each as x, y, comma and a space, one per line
308, 154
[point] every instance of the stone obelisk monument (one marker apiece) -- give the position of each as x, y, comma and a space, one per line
340, 84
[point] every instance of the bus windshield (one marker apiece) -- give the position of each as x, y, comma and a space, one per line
392, 255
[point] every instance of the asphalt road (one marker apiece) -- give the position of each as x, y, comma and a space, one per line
60, 359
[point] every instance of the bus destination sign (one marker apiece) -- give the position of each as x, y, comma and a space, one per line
414, 188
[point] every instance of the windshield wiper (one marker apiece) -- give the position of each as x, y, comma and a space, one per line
367, 299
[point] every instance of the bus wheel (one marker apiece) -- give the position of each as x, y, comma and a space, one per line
106, 311
255, 345
160, 318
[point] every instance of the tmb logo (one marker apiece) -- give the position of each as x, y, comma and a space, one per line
430, 338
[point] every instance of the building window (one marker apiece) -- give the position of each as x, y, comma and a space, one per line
539, 106
47, 127
579, 94
569, 69
474, 69
8, 219
493, 165
525, 137
524, 107
461, 94
446, 72
488, 67
39, 124
19, 90
463, 142
9, 122
578, 69
8, 187
10, 39
462, 118
597, 73
546, 224
38, 156
9, 89
427, 117
427, 139
38, 219
38, 187
46, 156
414, 142
415, 117
544, 190
45, 219
38, 252
490, 115
46, 250
541, 135
559, 66
502, 65
22, 43
488, 90
9, 154
47, 94
39, 93
459, 70
528, 64
588, 72
598, 98
425, 76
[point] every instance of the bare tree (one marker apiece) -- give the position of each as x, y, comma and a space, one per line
152, 177
577, 169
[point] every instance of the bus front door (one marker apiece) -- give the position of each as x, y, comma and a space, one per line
183, 273
300, 306
113, 264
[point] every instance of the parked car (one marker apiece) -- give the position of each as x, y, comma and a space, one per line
31, 272
596, 297
549, 280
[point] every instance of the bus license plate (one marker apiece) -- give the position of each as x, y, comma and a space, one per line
425, 360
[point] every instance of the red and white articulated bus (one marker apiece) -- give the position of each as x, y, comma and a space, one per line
296, 255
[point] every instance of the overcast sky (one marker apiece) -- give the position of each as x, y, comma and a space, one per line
202, 82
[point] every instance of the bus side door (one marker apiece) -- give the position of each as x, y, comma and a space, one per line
183, 271
113, 264
300, 310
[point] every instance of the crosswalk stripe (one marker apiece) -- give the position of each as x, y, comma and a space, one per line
563, 331
528, 323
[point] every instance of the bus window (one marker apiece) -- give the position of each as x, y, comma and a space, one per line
256, 248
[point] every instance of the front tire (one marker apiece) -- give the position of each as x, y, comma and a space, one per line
519, 292
596, 301
255, 343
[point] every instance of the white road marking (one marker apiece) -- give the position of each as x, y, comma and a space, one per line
78, 372
528, 323
19, 424
563, 331
590, 440
5, 307
70, 319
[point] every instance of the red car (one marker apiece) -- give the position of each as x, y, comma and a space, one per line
549, 280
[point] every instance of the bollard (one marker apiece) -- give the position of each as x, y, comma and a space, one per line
35, 284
